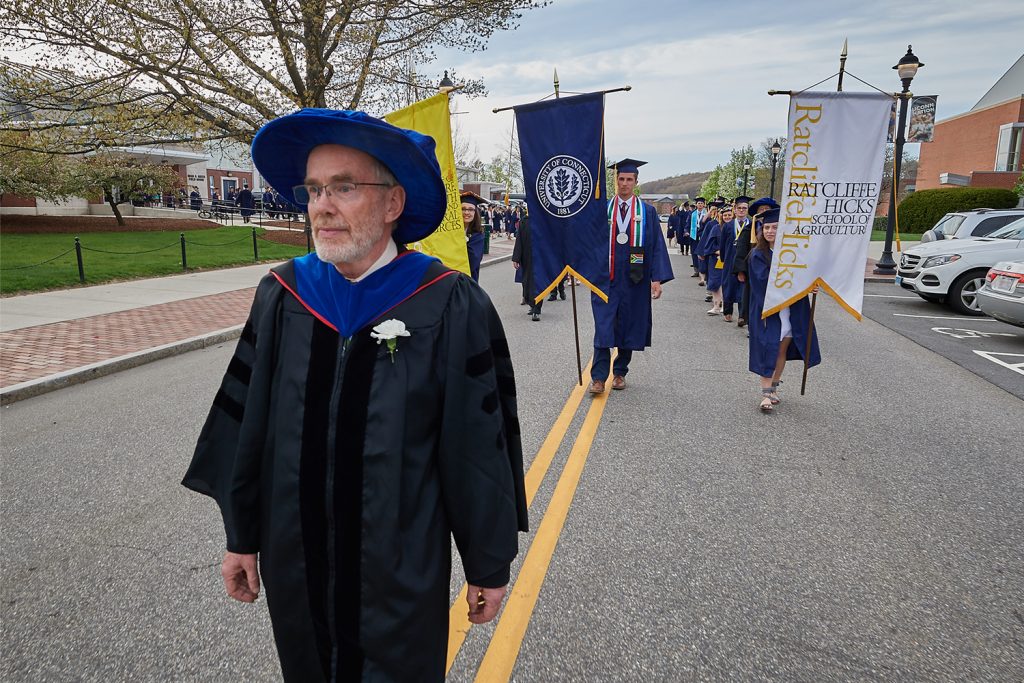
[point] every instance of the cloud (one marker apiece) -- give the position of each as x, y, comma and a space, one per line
700, 76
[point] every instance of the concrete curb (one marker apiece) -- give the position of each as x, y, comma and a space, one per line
880, 279
43, 385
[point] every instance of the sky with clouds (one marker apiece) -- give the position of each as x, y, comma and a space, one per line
700, 71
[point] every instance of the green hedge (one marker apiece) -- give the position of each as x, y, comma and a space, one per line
922, 210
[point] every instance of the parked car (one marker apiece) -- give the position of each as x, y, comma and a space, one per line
977, 223
1002, 296
952, 271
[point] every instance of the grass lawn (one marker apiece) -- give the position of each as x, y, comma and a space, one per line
22, 256
879, 236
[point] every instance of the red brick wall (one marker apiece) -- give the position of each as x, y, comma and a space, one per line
15, 200
966, 143
994, 179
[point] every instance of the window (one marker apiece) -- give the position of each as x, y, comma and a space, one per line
991, 224
1008, 149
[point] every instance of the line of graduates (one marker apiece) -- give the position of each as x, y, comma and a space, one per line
730, 244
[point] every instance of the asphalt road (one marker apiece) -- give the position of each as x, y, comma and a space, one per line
862, 532
987, 347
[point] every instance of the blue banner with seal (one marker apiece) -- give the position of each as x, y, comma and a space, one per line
561, 143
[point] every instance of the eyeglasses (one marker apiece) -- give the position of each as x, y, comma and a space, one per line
343, 190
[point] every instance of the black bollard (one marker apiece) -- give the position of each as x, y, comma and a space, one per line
81, 266
309, 235
184, 261
255, 250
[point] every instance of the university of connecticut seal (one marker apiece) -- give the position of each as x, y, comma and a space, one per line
564, 186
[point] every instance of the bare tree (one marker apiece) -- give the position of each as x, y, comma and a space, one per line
123, 72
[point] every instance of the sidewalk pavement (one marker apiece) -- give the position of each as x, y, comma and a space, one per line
55, 339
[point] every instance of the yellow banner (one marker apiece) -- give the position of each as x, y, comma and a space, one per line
430, 117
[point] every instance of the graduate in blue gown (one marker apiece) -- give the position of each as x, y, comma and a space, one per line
704, 242
638, 266
696, 220
781, 336
473, 224
732, 289
716, 267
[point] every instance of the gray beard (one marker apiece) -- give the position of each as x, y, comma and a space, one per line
356, 249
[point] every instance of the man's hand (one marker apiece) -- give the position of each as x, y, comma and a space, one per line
742, 277
484, 602
515, 264
655, 290
241, 577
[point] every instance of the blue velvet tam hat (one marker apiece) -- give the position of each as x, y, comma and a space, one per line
770, 216
763, 201
281, 147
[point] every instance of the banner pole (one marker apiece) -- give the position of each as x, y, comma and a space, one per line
807, 347
576, 330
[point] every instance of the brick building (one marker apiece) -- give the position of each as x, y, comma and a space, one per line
981, 147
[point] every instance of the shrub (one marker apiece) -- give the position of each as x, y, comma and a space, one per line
922, 210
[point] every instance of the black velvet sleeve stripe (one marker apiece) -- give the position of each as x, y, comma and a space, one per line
248, 335
479, 364
506, 385
500, 348
233, 408
240, 370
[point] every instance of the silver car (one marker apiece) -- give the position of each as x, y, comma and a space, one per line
1002, 295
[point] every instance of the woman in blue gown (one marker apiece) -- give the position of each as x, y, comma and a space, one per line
781, 336
474, 232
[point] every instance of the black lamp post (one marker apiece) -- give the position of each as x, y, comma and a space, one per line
446, 84
776, 151
746, 172
907, 69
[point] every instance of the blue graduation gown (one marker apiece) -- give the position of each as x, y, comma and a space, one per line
475, 247
625, 321
732, 288
764, 334
707, 248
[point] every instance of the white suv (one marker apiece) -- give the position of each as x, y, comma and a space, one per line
952, 271
977, 223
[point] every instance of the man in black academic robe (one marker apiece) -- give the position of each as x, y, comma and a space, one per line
367, 416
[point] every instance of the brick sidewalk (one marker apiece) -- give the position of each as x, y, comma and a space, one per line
34, 352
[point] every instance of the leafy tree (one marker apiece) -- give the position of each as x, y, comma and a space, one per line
49, 177
145, 73
116, 179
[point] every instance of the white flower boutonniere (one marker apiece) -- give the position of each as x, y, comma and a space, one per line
389, 331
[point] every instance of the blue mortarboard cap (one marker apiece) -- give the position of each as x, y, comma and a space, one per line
770, 216
471, 198
281, 147
763, 201
742, 199
700, 199
628, 166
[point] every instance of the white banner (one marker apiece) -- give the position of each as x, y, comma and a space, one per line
836, 150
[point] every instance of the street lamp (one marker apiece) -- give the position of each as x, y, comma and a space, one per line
906, 68
776, 151
446, 84
746, 172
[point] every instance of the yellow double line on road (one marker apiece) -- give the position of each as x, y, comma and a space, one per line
508, 636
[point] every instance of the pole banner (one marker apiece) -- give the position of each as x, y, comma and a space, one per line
561, 143
836, 151
431, 117
922, 118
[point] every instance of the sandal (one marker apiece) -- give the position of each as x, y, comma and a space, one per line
767, 405
775, 393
